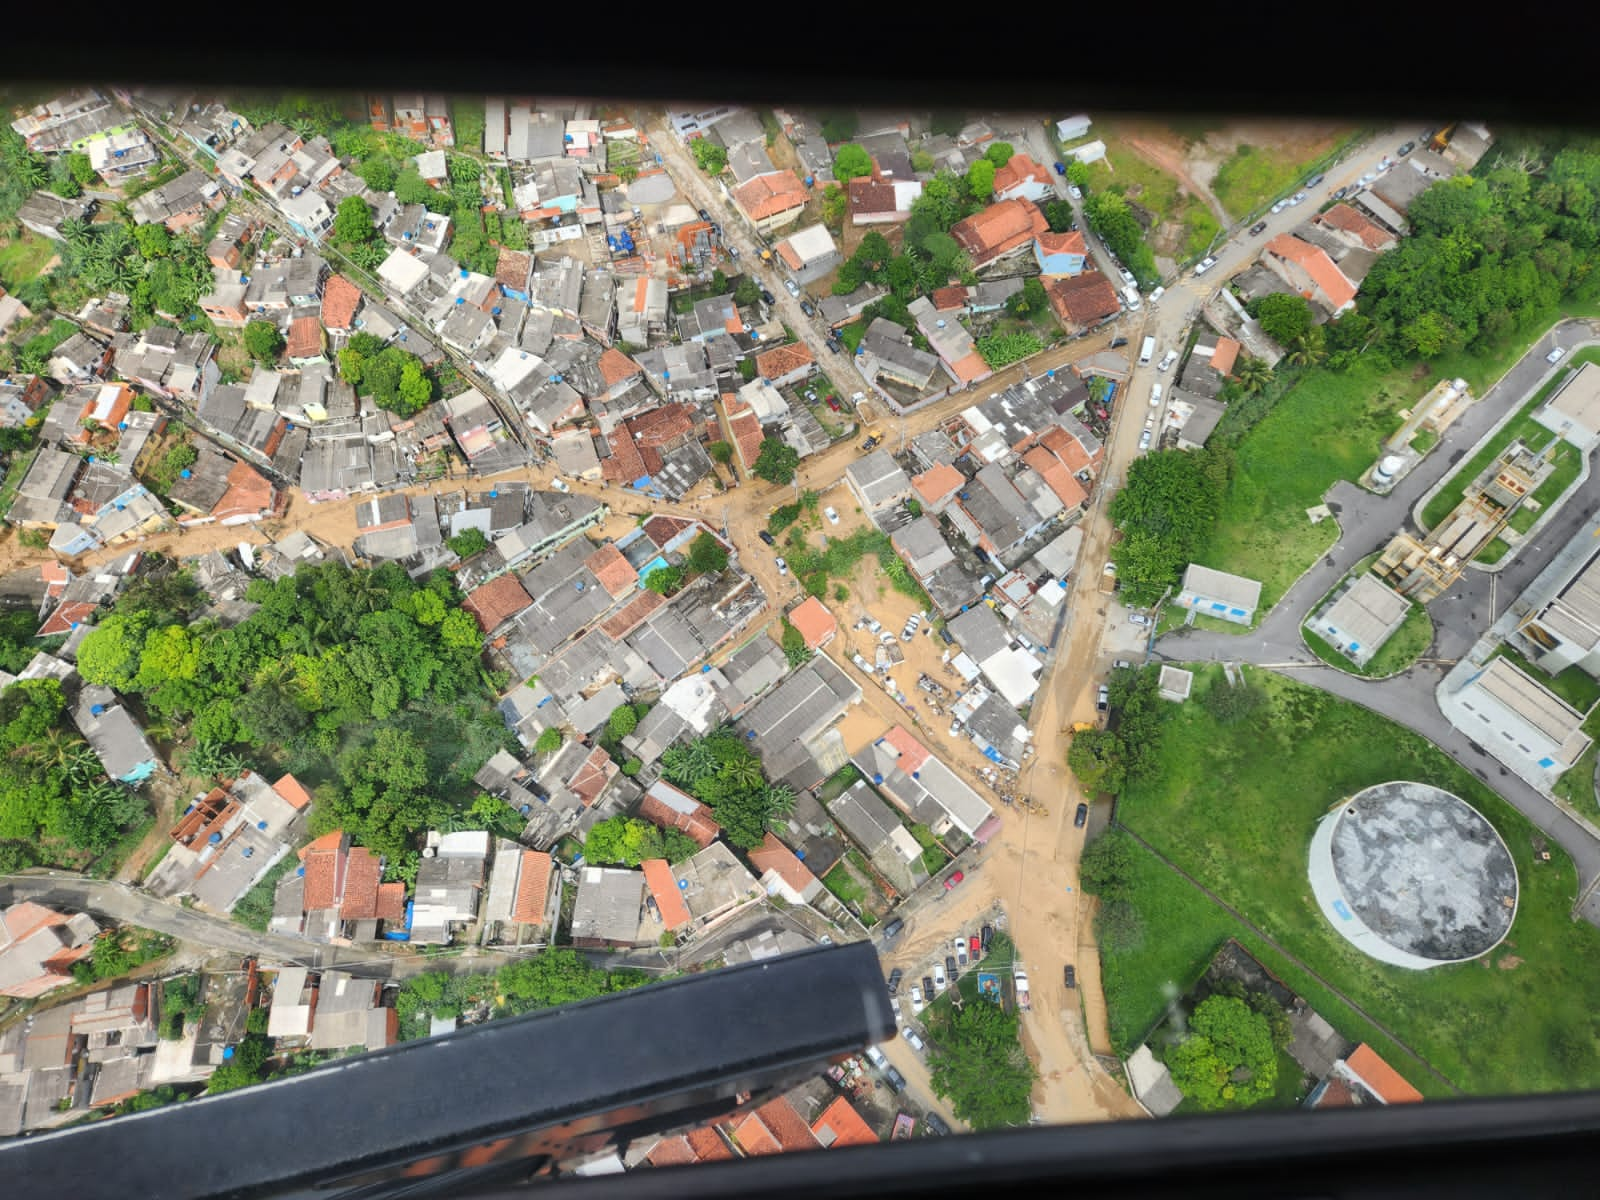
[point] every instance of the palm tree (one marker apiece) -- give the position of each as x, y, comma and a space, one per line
1254, 375
743, 771
778, 799
1306, 351
31, 170
75, 232
125, 273
1099, 388
304, 129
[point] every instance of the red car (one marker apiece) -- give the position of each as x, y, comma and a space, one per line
976, 946
833, 403
953, 880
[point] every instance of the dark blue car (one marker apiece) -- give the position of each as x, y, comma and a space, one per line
1061, 168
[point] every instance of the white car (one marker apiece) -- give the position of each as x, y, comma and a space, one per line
783, 567
961, 951
939, 981
876, 1057
917, 1003
1127, 275
1144, 440
912, 1039
1369, 177
1205, 265
560, 485
832, 514
1170, 357
1075, 192
894, 1003
1155, 395
1283, 204
790, 284
1297, 198
1157, 294
1554, 355
1139, 619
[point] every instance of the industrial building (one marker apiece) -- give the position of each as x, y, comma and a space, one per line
1219, 594
1564, 631
1361, 618
1523, 724
1574, 411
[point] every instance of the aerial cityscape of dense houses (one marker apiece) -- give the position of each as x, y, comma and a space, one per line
592, 374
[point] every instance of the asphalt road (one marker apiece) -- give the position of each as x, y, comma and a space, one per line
1460, 616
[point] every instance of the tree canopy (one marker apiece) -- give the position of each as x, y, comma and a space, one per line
629, 841
1166, 512
393, 378
263, 340
776, 462
1283, 317
977, 1063
1109, 216
850, 161
720, 771
1228, 1059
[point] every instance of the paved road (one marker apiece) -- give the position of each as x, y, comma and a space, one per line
1460, 617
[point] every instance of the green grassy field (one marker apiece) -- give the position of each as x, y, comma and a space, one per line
23, 258
1235, 806
1251, 177
1523, 426
1576, 787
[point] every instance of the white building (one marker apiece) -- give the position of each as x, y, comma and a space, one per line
1523, 724
1574, 411
1219, 594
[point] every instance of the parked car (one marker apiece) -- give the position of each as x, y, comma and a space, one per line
870, 444
767, 538
975, 946
927, 988
876, 1058
1127, 275
832, 514
894, 1079
949, 639
1144, 440
1080, 817
954, 880
894, 980
1258, 229
1368, 178
1205, 265
1314, 180
917, 1002
811, 394
950, 966
833, 401
1406, 148
793, 288
1071, 975
705, 216
912, 1039
961, 951
1061, 168
1554, 355
987, 934
560, 485
892, 931
894, 1003
1075, 192
783, 567
805, 307
936, 1123
1117, 343
1341, 193
940, 980
768, 296
733, 251
1102, 699
1297, 198
1167, 359
1139, 619
1121, 664
1279, 207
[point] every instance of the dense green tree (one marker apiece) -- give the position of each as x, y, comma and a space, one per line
1096, 758
1106, 867
380, 173
851, 162
263, 340
549, 742
747, 293
976, 1061
415, 390
999, 153
630, 842
794, 645
721, 452
622, 722
82, 169
776, 462
410, 188
707, 554
1165, 512
110, 654
352, 223
1078, 174
1228, 1059
154, 241
835, 204
469, 542
1283, 316
664, 581
708, 156
839, 126
1031, 301
980, 178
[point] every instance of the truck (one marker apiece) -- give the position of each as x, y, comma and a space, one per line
1108, 578
1019, 979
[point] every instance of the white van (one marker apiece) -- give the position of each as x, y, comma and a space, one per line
1155, 395
1130, 297
1147, 351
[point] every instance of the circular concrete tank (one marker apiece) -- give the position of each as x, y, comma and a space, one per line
1413, 876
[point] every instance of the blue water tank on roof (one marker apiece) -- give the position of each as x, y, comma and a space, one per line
97, 709
300, 871
214, 838
261, 824
122, 424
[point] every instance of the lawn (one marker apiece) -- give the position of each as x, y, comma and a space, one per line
1235, 806
1328, 427
1252, 177
1146, 184
1530, 431
15, 474
23, 258
1576, 787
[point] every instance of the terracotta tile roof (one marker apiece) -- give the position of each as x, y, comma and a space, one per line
322, 859
592, 775
846, 1125
935, 484
1070, 242
770, 194
869, 197
787, 1125
1019, 168
787, 252
814, 621
305, 337
696, 823
1314, 261
512, 268
632, 615
1337, 1094
340, 299
391, 902
55, 575
1341, 216
671, 1152
708, 1145
1068, 449
773, 855
1060, 481
775, 364
1225, 355
1383, 1079
745, 427
533, 888
662, 425
755, 1138
74, 612
496, 601
615, 366
662, 529
613, 570
912, 752
998, 229
293, 791
249, 492
625, 464
361, 876
1083, 299
971, 367
663, 885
